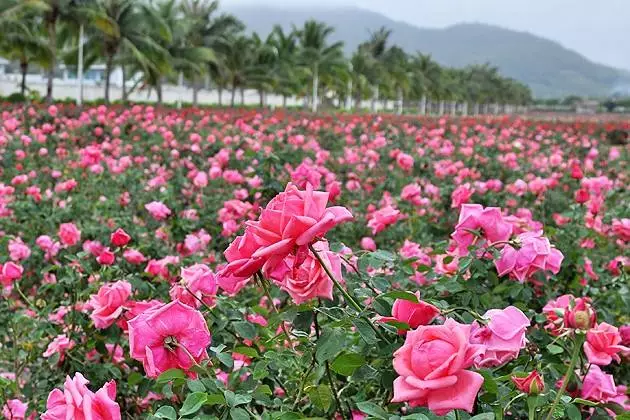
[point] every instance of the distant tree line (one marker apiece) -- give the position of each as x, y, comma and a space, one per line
167, 41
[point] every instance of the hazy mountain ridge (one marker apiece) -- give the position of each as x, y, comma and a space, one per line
546, 66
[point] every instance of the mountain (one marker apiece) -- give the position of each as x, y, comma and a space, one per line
550, 69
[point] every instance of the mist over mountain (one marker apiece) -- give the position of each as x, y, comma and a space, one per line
550, 69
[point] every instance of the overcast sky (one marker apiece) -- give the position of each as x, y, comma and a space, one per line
598, 29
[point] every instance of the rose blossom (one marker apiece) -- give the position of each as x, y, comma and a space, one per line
119, 238
291, 219
411, 313
107, 305
69, 234
603, 342
503, 337
432, 367
487, 221
59, 345
169, 336
77, 402
158, 210
15, 410
199, 280
533, 253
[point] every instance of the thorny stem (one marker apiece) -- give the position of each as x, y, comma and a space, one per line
265, 287
349, 299
567, 376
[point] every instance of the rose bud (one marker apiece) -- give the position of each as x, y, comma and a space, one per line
581, 316
120, 238
532, 384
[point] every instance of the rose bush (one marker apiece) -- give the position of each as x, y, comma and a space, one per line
233, 264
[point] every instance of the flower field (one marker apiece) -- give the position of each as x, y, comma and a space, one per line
276, 265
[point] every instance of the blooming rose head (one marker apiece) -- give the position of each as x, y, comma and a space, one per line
503, 337
598, 386
119, 238
15, 410
532, 384
292, 219
59, 345
432, 368
107, 305
534, 253
477, 223
158, 210
303, 277
199, 280
69, 234
76, 401
169, 336
411, 313
603, 343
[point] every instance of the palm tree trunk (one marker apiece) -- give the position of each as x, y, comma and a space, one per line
124, 84
375, 99
400, 101
23, 70
195, 92
232, 101
108, 71
315, 87
158, 89
242, 97
261, 96
52, 45
284, 101
220, 89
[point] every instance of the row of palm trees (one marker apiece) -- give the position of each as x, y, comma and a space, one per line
155, 42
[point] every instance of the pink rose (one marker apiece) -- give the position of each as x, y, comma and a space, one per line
603, 342
303, 277
580, 314
133, 256
503, 337
432, 367
534, 254
170, 336
59, 345
199, 280
108, 304
411, 313
461, 195
368, 244
119, 238
158, 210
598, 386
382, 218
293, 218
18, 251
15, 410
77, 402
488, 222
106, 257
69, 234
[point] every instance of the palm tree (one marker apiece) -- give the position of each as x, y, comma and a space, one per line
287, 68
238, 62
316, 53
398, 69
23, 43
138, 32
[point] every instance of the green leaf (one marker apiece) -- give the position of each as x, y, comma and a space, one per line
245, 329
134, 378
247, 351
260, 370
573, 412
193, 403
329, 344
234, 400
345, 364
166, 412
553, 349
195, 385
215, 399
584, 402
489, 384
321, 397
170, 375
239, 414
416, 416
383, 255
483, 416
365, 330
373, 410
399, 294
226, 359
